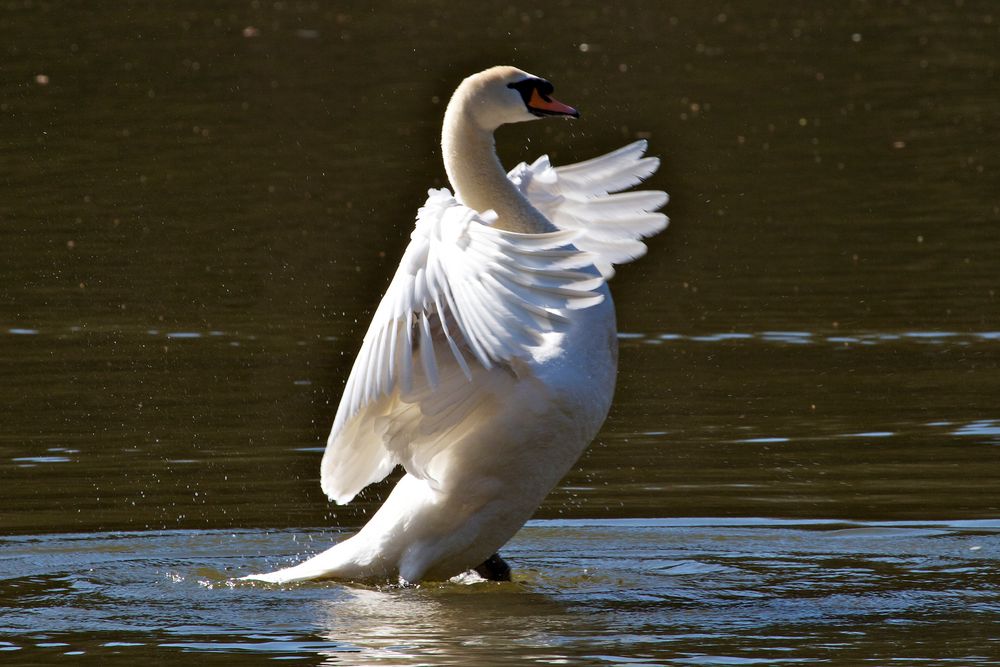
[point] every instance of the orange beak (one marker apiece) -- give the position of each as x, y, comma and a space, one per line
550, 107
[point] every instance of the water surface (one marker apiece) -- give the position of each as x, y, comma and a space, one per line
707, 592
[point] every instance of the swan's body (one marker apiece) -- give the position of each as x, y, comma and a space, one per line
490, 363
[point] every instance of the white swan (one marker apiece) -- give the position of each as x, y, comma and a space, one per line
490, 364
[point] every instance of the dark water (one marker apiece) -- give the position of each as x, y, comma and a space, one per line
200, 207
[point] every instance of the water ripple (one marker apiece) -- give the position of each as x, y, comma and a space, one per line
838, 339
637, 591
989, 428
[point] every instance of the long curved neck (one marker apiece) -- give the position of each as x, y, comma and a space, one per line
480, 182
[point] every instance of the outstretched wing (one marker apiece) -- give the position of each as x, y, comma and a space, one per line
467, 297
579, 197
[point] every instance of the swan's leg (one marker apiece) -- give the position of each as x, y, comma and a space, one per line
494, 568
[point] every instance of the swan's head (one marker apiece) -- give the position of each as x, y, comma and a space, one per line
506, 94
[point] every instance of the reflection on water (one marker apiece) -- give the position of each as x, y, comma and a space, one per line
448, 625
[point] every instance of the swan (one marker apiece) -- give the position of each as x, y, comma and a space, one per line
490, 363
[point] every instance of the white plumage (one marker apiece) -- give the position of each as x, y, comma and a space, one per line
580, 197
490, 363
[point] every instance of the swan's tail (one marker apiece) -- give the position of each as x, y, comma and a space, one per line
337, 562
301, 572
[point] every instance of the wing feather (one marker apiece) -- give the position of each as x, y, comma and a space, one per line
469, 299
581, 198
465, 290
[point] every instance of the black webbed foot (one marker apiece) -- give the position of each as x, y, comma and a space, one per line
494, 568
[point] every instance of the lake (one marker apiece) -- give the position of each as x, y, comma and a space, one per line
200, 208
